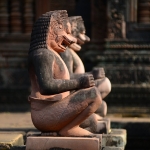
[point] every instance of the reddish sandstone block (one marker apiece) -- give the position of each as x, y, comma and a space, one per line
121, 132
69, 143
11, 139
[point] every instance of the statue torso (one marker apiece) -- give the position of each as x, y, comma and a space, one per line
59, 71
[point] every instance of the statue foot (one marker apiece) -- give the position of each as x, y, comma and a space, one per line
76, 132
49, 134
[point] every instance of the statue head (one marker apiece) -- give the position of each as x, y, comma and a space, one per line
52, 31
78, 29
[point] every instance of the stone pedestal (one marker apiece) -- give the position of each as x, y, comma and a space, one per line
10, 139
63, 143
121, 132
115, 139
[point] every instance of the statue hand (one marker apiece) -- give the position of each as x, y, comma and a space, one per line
85, 81
98, 73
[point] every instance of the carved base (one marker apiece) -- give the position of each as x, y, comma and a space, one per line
63, 143
116, 138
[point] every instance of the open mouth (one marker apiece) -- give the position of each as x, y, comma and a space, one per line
63, 44
66, 41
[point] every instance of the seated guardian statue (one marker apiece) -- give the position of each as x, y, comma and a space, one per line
75, 64
54, 109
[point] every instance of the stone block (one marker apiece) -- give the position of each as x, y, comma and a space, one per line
10, 139
121, 132
63, 143
116, 140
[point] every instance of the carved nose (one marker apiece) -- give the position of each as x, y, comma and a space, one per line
84, 37
87, 38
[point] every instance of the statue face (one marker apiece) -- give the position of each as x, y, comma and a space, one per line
78, 31
60, 34
81, 32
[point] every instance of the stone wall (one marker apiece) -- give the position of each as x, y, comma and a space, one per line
124, 53
119, 43
14, 79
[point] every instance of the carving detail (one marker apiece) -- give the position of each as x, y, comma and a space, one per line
116, 19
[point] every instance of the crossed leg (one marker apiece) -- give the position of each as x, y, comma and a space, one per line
65, 116
91, 123
91, 100
104, 86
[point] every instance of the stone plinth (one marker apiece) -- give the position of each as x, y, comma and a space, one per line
63, 143
116, 138
121, 132
10, 139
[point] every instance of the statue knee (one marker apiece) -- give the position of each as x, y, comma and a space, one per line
91, 95
104, 87
102, 110
108, 83
95, 95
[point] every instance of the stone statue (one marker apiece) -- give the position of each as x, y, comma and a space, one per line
59, 104
75, 64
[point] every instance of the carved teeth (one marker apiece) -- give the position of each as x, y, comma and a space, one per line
67, 41
63, 47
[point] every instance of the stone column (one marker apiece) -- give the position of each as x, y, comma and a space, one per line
131, 10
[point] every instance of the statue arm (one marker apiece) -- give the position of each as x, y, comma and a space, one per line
78, 66
77, 75
43, 64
